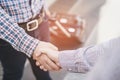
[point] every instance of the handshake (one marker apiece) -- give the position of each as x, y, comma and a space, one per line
46, 56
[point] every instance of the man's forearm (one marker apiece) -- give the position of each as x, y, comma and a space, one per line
16, 36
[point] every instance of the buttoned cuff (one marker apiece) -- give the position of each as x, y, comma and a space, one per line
74, 60
28, 44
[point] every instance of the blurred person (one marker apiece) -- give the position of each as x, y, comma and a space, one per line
108, 65
17, 20
83, 59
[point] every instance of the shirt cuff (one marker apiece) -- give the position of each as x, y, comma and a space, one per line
74, 60
28, 44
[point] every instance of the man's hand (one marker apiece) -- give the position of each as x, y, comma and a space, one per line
42, 47
46, 64
46, 56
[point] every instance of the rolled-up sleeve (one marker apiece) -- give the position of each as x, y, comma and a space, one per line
16, 36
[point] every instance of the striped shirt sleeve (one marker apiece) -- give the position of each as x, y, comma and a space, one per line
83, 59
16, 36
80, 60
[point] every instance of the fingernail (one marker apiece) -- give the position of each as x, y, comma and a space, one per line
45, 69
41, 67
37, 63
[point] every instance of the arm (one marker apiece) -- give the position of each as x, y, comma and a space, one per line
16, 36
83, 59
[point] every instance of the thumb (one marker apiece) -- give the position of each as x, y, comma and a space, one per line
53, 56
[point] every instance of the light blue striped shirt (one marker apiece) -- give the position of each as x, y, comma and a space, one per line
83, 59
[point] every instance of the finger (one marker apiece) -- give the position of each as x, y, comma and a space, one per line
42, 67
53, 55
47, 67
58, 64
48, 64
52, 65
45, 70
37, 63
43, 62
39, 60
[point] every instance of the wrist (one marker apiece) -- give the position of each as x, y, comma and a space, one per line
36, 52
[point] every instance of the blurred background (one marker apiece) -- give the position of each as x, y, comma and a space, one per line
99, 22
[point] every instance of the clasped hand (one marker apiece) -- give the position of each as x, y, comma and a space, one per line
46, 56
